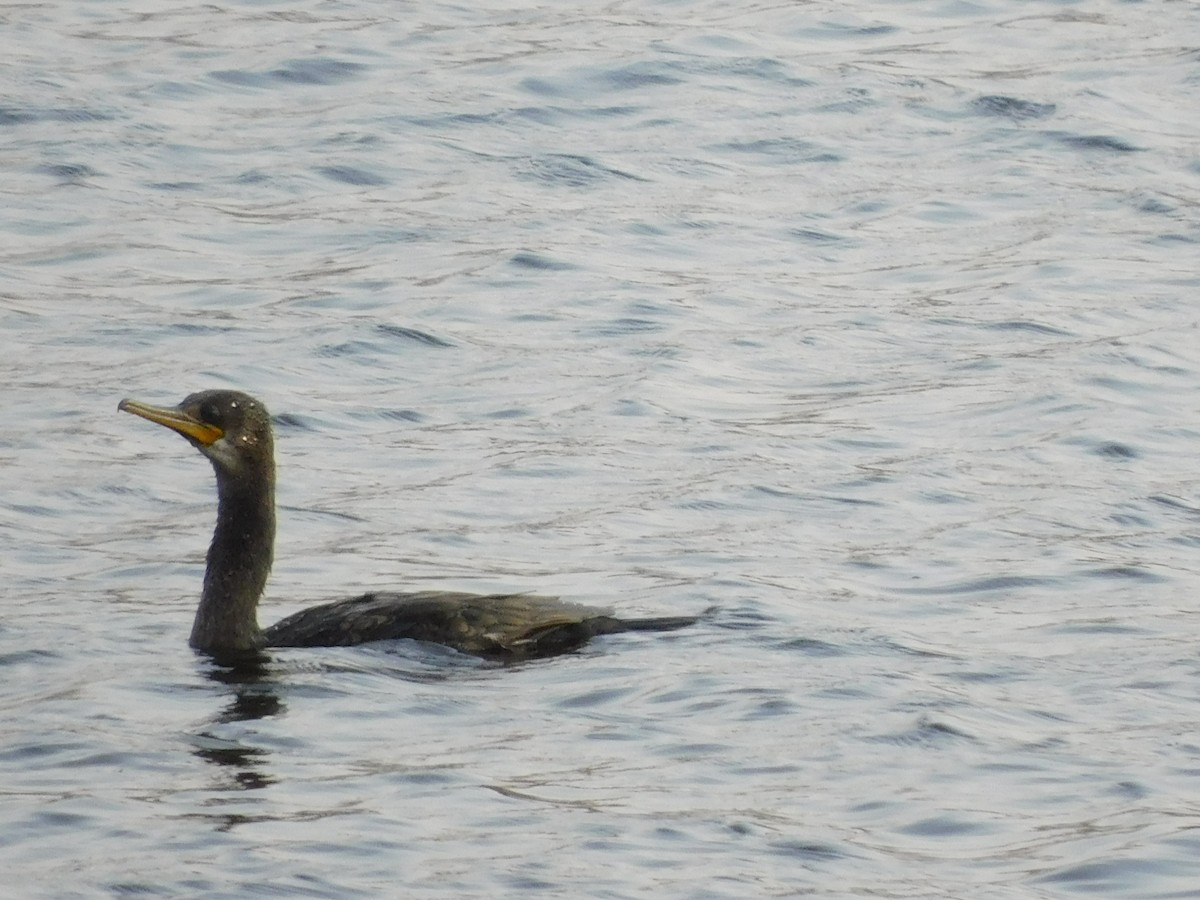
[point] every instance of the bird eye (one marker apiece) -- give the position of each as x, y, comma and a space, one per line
210, 412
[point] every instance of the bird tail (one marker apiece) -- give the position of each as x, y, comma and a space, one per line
658, 623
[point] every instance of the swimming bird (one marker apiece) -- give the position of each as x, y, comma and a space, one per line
233, 430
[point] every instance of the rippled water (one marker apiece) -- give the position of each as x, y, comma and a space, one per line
872, 325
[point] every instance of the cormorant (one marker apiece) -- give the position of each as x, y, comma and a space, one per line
234, 431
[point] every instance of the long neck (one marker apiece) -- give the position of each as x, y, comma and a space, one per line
239, 560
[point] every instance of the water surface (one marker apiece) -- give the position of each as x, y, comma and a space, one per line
872, 326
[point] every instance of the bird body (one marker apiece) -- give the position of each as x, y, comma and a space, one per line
234, 431
511, 626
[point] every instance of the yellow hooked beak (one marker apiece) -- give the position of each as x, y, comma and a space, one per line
175, 419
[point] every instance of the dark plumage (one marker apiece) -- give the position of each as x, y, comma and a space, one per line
234, 431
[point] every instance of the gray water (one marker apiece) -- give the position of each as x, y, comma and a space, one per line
872, 326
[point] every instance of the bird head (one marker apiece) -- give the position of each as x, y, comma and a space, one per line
231, 428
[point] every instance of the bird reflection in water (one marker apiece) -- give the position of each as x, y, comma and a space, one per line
249, 678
